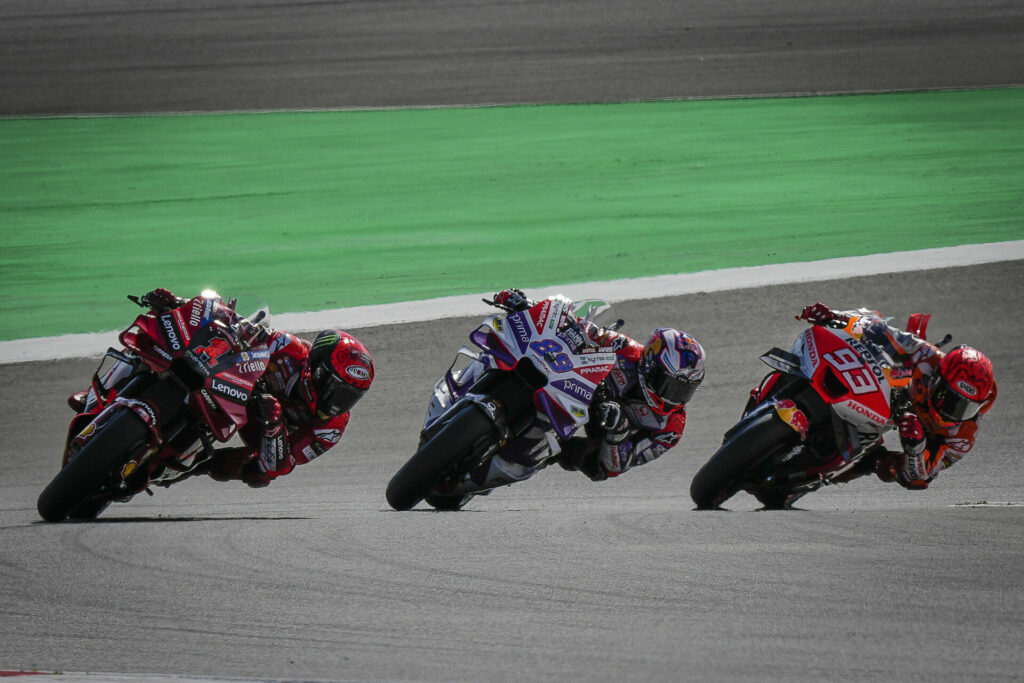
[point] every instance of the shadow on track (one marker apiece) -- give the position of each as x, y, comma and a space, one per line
134, 520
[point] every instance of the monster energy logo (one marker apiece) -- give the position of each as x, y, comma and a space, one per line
327, 340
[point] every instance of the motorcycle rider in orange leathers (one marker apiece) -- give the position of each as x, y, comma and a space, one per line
938, 414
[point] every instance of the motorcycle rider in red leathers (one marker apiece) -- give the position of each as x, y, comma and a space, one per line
309, 390
637, 414
947, 395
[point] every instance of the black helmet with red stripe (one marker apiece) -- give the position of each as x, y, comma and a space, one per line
341, 370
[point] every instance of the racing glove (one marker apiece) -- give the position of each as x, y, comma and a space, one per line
161, 300
820, 314
250, 334
513, 299
911, 433
613, 420
270, 415
275, 455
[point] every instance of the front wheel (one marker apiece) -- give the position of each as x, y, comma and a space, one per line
758, 437
73, 491
440, 457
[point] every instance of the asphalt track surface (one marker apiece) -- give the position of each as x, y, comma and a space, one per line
556, 578
181, 55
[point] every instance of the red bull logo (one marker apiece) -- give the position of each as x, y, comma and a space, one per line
793, 416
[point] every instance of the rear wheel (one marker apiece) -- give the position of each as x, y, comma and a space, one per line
73, 491
756, 438
440, 457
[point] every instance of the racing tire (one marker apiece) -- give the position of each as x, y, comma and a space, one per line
439, 456
447, 503
729, 469
89, 469
90, 509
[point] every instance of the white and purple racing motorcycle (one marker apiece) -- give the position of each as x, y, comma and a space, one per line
534, 368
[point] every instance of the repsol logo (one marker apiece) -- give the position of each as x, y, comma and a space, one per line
868, 358
170, 333
229, 390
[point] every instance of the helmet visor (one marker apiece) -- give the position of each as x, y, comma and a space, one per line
333, 395
951, 405
671, 389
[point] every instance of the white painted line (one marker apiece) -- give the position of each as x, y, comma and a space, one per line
498, 105
106, 677
988, 504
656, 287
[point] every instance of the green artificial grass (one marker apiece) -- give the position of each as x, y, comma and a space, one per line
329, 209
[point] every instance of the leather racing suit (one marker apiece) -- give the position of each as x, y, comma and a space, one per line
944, 443
305, 435
603, 453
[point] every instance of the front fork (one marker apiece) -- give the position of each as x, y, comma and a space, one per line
157, 402
103, 389
786, 409
830, 451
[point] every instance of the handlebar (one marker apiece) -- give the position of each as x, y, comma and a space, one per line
492, 302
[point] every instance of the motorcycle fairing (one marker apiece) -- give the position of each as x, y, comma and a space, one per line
535, 335
573, 371
198, 332
845, 373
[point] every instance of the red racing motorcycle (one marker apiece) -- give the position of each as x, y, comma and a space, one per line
154, 409
822, 410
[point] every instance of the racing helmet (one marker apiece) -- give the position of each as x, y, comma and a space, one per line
962, 385
340, 370
670, 370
